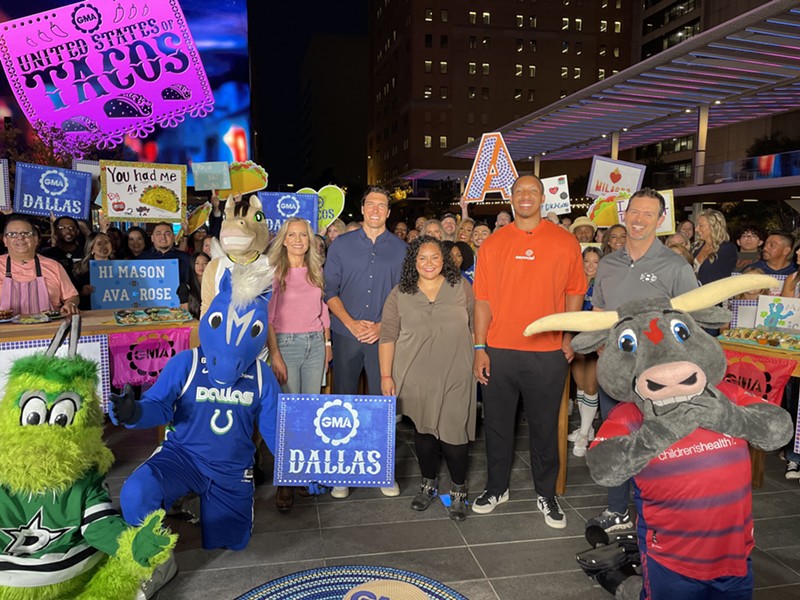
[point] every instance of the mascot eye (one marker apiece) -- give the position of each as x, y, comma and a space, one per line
680, 330
256, 329
215, 320
63, 411
258, 217
34, 409
627, 341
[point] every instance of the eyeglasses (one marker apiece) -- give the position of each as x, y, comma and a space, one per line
21, 234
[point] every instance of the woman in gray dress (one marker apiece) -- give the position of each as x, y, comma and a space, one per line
426, 354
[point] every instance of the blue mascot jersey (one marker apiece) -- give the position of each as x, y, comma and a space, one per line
214, 425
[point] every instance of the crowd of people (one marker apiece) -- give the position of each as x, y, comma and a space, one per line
433, 313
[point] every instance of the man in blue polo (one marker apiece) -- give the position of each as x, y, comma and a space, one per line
361, 269
776, 256
642, 268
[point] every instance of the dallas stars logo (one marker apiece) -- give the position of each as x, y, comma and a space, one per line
32, 537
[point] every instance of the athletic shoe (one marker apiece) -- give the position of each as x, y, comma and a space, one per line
340, 492
485, 503
391, 491
553, 515
574, 435
792, 470
611, 521
581, 444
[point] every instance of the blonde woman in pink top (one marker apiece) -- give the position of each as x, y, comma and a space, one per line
299, 324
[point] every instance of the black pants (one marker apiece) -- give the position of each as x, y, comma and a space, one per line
539, 377
349, 358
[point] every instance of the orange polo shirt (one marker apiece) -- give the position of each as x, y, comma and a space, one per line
525, 275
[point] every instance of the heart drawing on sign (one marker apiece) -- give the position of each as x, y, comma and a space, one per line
615, 176
553, 190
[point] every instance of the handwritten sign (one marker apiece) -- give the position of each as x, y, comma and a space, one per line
608, 177
493, 170
556, 196
40, 190
336, 440
778, 312
280, 206
101, 70
5, 192
143, 191
331, 203
211, 175
134, 283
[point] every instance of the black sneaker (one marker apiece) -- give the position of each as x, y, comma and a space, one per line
553, 515
485, 503
611, 521
792, 470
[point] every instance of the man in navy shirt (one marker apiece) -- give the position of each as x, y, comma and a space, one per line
776, 256
163, 239
361, 269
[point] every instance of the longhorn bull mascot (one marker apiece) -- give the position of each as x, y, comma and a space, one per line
682, 434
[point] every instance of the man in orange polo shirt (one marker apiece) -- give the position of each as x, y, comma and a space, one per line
526, 270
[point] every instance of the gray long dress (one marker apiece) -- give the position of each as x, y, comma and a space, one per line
433, 357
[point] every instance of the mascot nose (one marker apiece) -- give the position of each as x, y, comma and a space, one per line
671, 380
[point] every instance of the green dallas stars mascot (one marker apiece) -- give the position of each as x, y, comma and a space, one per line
60, 537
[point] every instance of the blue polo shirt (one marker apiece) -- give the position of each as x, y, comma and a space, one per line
362, 274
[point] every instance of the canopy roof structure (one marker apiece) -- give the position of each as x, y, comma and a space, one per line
746, 68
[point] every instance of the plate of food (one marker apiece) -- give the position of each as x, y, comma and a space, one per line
6, 316
53, 314
145, 316
31, 319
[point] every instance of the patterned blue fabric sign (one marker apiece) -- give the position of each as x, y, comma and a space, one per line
134, 283
335, 439
280, 206
211, 176
40, 190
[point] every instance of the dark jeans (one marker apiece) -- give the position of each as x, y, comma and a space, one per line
618, 496
539, 377
350, 357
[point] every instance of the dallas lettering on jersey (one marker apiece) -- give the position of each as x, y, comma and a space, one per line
720, 443
226, 396
334, 462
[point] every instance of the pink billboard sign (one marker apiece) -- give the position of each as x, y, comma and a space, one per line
101, 70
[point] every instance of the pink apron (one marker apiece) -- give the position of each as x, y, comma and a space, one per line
25, 298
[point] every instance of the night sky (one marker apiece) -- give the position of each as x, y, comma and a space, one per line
280, 33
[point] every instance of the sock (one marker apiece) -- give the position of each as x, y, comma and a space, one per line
588, 409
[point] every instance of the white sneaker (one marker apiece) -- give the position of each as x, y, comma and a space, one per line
340, 492
574, 435
391, 491
581, 443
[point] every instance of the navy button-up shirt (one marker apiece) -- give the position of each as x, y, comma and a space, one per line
362, 274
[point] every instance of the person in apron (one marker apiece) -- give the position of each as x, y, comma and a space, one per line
30, 297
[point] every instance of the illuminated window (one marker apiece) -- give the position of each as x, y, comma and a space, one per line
578, 24
576, 73
442, 141
444, 15
428, 91
564, 47
603, 25
518, 70
486, 43
520, 20
564, 72
578, 48
428, 66
616, 51
443, 66
485, 93
472, 68
443, 92
531, 70
470, 139
532, 21
604, 4
485, 68
472, 92
429, 14
473, 42
619, 4
520, 45
532, 45
603, 49
518, 94
617, 27
601, 73
473, 17
487, 18
531, 95
563, 94
564, 23
427, 141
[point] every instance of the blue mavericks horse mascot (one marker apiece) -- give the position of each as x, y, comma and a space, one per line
211, 397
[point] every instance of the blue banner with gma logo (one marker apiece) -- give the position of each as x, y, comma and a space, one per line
338, 440
278, 207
